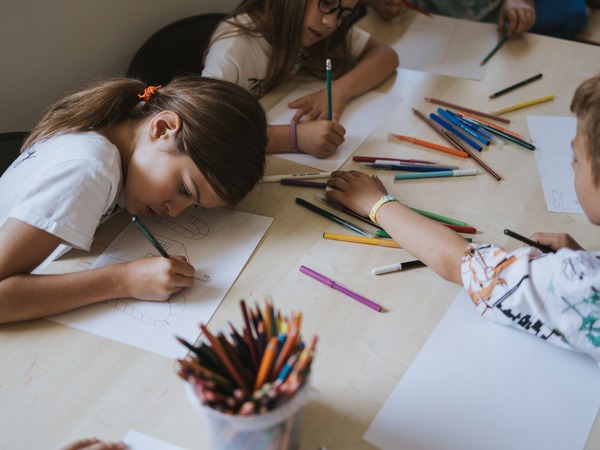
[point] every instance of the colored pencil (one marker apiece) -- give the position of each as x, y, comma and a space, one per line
140, 224
328, 75
454, 119
479, 121
500, 43
525, 104
469, 110
411, 5
516, 86
341, 208
432, 145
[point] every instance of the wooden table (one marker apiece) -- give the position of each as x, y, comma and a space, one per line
58, 384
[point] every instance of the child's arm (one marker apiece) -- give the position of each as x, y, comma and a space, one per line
318, 138
24, 296
436, 245
376, 63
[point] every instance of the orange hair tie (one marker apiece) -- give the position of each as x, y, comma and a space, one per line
149, 92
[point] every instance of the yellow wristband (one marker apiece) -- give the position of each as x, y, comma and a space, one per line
382, 201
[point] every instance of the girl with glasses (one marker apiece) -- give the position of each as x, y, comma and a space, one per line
263, 42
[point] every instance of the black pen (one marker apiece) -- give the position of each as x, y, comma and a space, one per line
150, 236
542, 247
515, 86
333, 217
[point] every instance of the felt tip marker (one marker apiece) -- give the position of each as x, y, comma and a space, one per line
396, 267
296, 176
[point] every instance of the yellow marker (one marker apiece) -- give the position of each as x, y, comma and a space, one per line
361, 240
521, 105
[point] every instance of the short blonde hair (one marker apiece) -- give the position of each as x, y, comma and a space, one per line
586, 106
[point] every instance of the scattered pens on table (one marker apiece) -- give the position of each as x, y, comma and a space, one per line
525, 104
295, 176
454, 142
431, 145
530, 242
328, 75
397, 267
506, 134
500, 43
441, 174
361, 240
465, 109
332, 284
516, 86
456, 132
332, 217
303, 183
456, 120
235, 377
142, 226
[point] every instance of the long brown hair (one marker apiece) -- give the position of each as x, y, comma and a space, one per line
280, 23
223, 127
586, 106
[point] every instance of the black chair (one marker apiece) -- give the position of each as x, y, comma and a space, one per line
174, 50
10, 147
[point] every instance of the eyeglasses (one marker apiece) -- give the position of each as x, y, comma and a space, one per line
344, 14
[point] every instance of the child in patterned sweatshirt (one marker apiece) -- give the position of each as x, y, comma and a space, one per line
554, 295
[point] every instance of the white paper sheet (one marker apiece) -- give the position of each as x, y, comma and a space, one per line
140, 441
361, 117
479, 385
218, 243
552, 138
446, 46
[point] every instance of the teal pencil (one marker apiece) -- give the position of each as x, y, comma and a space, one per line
442, 174
328, 75
494, 50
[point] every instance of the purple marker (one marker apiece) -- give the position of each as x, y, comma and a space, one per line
333, 285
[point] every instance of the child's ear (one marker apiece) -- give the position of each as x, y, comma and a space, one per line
165, 124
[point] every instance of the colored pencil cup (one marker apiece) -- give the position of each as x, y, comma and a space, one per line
278, 428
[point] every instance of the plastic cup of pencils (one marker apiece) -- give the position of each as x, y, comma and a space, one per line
278, 428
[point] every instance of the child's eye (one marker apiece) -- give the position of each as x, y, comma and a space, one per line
184, 191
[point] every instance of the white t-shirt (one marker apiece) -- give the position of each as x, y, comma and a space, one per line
554, 296
243, 58
66, 185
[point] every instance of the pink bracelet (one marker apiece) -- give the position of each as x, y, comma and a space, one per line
293, 136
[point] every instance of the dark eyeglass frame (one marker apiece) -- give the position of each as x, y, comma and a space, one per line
344, 14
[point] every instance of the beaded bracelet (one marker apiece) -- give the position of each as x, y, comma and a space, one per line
382, 201
293, 137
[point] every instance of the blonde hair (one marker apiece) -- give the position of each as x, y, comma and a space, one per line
280, 23
223, 127
586, 106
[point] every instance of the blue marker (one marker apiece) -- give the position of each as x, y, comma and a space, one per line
450, 128
459, 123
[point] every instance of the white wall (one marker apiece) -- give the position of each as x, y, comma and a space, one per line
51, 47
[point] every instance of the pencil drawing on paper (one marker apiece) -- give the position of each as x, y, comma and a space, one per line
132, 246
